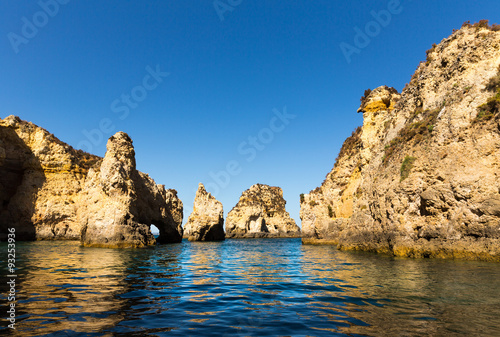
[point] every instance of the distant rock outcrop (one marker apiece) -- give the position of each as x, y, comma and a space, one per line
421, 177
206, 222
261, 213
47, 189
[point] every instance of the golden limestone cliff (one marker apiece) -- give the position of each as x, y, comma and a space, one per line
50, 191
421, 177
40, 181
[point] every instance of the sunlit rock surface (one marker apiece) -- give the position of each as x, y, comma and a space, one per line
421, 177
206, 222
50, 191
261, 213
119, 204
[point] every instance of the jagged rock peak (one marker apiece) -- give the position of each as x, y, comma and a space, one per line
206, 222
120, 146
383, 98
261, 212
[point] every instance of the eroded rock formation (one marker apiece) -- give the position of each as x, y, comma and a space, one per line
206, 222
261, 213
119, 203
40, 181
49, 191
421, 177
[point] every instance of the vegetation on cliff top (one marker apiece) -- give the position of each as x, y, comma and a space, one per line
365, 96
478, 25
482, 24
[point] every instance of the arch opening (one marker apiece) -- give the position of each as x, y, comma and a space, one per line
154, 230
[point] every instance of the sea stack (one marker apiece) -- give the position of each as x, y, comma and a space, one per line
261, 213
119, 203
421, 177
206, 222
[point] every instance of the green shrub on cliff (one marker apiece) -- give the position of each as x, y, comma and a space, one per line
330, 211
494, 82
406, 167
488, 110
414, 131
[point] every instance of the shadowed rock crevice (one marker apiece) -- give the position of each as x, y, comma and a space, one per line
52, 176
21, 177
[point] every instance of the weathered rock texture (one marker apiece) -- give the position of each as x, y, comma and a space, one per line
421, 177
261, 213
46, 187
119, 203
40, 181
206, 222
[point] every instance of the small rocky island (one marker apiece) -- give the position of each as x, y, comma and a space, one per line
421, 177
261, 213
206, 222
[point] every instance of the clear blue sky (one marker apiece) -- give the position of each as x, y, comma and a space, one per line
84, 67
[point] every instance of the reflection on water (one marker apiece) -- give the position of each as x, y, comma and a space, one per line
65, 287
248, 288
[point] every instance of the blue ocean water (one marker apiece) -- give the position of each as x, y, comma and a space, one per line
256, 287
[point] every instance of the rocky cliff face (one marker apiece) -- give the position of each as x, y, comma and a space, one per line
47, 189
261, 212
206, 222
421, 177
40, 181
